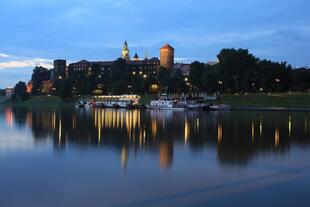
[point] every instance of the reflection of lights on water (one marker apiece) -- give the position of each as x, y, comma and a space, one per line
115, 119
9, 117
54, 120
277, 137
99, 127
253, 130
96, 111
219, 133
306, 126
59, 132
186, 130
197, 125
74, 121
154, 128
290, 126
165, 155
29, 120
124, 157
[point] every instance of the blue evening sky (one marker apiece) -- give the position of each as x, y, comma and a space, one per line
34, 32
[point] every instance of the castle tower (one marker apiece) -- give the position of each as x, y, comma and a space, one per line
167, 57
125, 51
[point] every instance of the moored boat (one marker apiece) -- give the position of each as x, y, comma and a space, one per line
164, 103
220, 107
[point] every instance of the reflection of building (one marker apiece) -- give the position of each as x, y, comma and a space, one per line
165, 154
9, 92
235, 139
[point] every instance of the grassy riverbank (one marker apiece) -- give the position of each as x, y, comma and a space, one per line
41, 101
251, 100
264, 100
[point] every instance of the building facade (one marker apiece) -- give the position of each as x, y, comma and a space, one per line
167, 57
143, 67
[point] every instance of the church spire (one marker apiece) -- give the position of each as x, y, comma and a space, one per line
125, 51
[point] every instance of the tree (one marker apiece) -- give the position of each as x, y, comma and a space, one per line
20, 91
196, 72
234, 64
163, 77
300, 80
212, 79
39, 75
177, 83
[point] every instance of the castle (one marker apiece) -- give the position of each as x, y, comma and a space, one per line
143, 67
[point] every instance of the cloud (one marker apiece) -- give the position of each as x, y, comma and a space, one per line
182, 59
24, 63
2, 55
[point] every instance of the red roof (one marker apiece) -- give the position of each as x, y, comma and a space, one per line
167, 46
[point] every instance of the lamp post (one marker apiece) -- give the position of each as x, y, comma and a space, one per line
277, 81
220, 84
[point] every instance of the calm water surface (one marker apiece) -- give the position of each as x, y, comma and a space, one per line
138, 158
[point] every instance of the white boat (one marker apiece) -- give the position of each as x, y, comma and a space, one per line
80, 104
83, 104
164, 103
109, 104
220, 107
123, 104
197, 105
98, 104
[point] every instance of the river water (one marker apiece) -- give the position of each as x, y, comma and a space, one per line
131, 158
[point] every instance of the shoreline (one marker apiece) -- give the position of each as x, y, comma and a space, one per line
280, 109
252, 102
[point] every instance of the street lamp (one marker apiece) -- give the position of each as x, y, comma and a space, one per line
220, 83
277, 82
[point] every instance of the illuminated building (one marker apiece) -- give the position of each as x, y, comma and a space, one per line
136, 66
167, 57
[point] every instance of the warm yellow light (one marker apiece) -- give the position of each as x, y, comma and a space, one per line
219, 133
277, 137
290, 126
253, 130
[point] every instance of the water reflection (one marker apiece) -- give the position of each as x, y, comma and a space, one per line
237, 137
